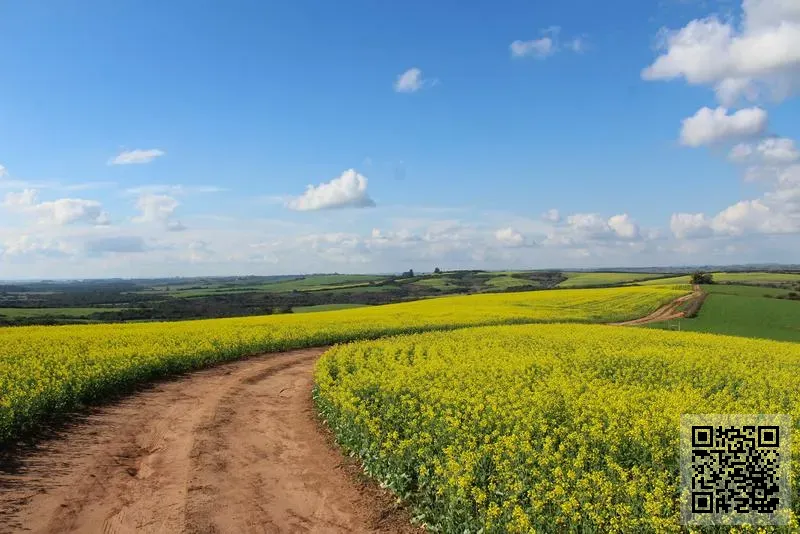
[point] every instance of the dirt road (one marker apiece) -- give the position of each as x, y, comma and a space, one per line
666, 312
236, 448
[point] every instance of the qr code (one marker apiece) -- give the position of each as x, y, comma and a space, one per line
735, 469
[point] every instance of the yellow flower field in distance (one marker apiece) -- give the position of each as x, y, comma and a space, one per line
547, 427
46, 370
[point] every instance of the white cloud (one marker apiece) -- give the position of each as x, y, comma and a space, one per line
537, 48
772, 160
59, 212
580, 229
789, 177
624, 226
709, 126
552, 215
411, 81
690, 225
547, 45
22, 200
136, 156
158, 209
778, 150
764, 51
3, 172
175, 226
509, 237
28, 245
590, 223
155, 208
348, 190
577, 45
740, 153
777, 212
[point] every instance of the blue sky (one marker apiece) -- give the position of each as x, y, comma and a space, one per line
178, 138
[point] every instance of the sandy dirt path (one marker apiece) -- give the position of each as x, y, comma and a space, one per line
666, 312
236, 448
232, 449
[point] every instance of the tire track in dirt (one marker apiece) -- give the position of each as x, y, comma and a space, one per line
236, 448
666, 312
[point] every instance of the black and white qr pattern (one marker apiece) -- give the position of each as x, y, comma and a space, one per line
735, 468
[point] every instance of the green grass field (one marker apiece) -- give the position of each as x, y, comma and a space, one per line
599, 279
438, 281
502, 282
309, 283
55, 312
744, 291
744, 311
740, 278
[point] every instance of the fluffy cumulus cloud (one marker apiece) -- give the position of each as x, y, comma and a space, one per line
509, 237
689, 225
412, 81
774, 151
580, 229
777, 212
137, 156
760, 52
624, 226
778, 150
546, 46
709, 126
347, 191
158, 209
58, 212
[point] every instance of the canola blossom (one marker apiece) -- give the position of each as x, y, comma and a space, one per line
48, 370
545, 428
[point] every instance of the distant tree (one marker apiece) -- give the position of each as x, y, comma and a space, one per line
437, 271
699, 277
286, 309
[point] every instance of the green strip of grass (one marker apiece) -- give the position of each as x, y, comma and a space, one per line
601, 279
745, 316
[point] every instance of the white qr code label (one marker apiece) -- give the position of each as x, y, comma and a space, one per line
735, 469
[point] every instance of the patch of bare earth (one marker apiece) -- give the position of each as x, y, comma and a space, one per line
237, 448
667, 312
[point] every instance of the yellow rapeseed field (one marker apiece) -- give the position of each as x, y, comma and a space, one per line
546, 428
47, 370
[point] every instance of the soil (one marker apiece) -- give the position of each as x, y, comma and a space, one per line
237, 448
668, 311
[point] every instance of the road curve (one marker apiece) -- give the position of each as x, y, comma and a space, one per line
236, 448
232, 449
669, 311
